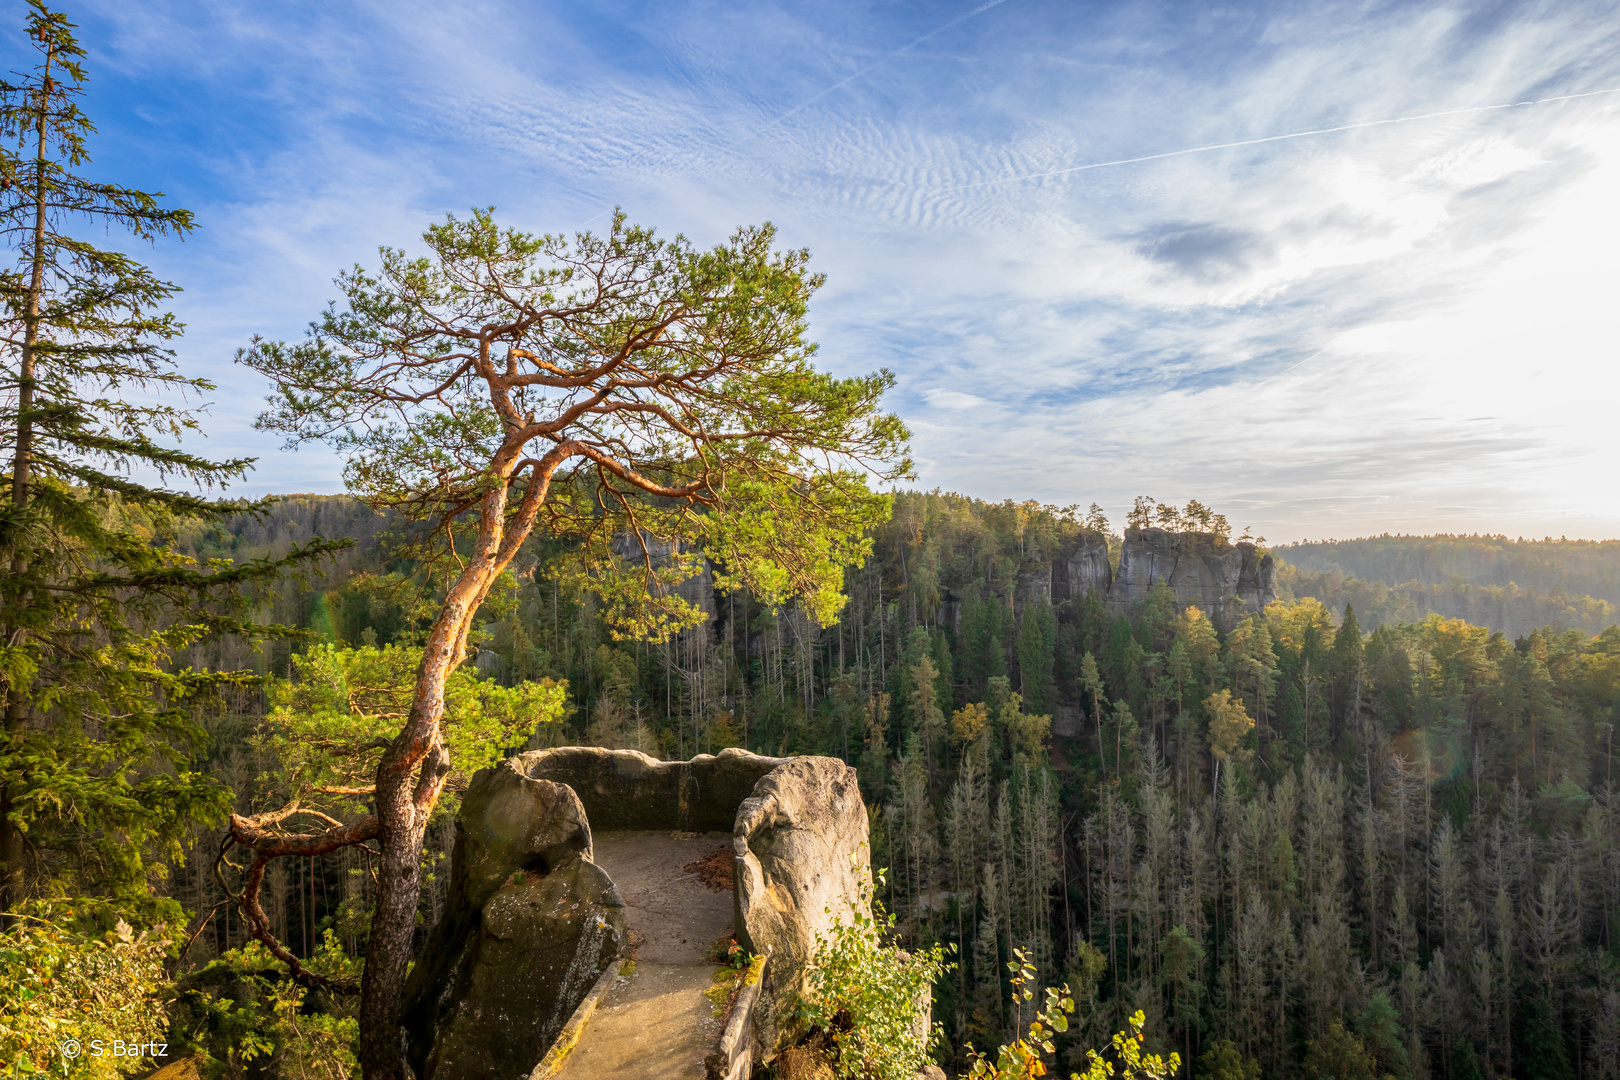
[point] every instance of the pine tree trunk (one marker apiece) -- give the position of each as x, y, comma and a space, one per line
413, 769
401, 825
393, 925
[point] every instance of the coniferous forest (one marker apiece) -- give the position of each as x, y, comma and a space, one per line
1511, 585
1293, 836
1354, 817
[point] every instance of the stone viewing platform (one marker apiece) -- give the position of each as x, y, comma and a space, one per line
654, 1010
564, 952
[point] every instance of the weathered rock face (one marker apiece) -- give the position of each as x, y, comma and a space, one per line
510, 821
526, 904
1226, 580
540, 945
1086, 569
802, 859
626, 789
1067, 720
531, 922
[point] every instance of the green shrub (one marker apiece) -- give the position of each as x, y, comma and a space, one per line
865, 995
97, 997
1023, 1058
245, 1016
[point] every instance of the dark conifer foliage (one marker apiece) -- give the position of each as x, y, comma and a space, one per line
96, 602
1412, 843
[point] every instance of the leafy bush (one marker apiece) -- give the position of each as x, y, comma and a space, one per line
245, 1016
864, 996
1022, 1059
90, 995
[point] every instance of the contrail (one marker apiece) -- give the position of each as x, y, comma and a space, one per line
980, 10
1274, 138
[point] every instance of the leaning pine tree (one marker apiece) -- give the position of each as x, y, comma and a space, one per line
96, 781
646, 403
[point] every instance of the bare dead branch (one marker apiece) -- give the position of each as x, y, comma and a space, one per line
201, 925
259, 923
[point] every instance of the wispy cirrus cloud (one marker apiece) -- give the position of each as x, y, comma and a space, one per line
1272, 325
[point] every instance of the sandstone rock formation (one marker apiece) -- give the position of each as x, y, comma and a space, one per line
530, 920
526, 910
540, 945
802, 859
626, 789
1086, 569
1226, 580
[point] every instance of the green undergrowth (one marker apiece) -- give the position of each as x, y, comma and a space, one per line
739, 968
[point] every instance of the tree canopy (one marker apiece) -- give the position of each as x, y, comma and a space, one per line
95, 758
640, 397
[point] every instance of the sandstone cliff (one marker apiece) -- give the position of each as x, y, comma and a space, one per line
1226, 580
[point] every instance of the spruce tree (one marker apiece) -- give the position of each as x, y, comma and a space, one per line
944, 668
1347, 657
1091, 683
1037, 643
95, 759
1464, 1062
1544, 1056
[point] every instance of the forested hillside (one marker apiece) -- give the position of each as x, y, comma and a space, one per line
1324, 846
1344, 810
1589, 567
1509, 585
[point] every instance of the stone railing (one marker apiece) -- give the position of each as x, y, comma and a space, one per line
800, 846
552, 1063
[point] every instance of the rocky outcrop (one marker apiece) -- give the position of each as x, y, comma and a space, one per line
513, 821
1226, 580
540, 946
1086, 568
626, 789
531, 921
802, 860
528, 924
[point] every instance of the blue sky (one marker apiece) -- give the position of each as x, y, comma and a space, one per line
1406, 326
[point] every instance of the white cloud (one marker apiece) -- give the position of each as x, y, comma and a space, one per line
1496, 413
1093, 335
954, 400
